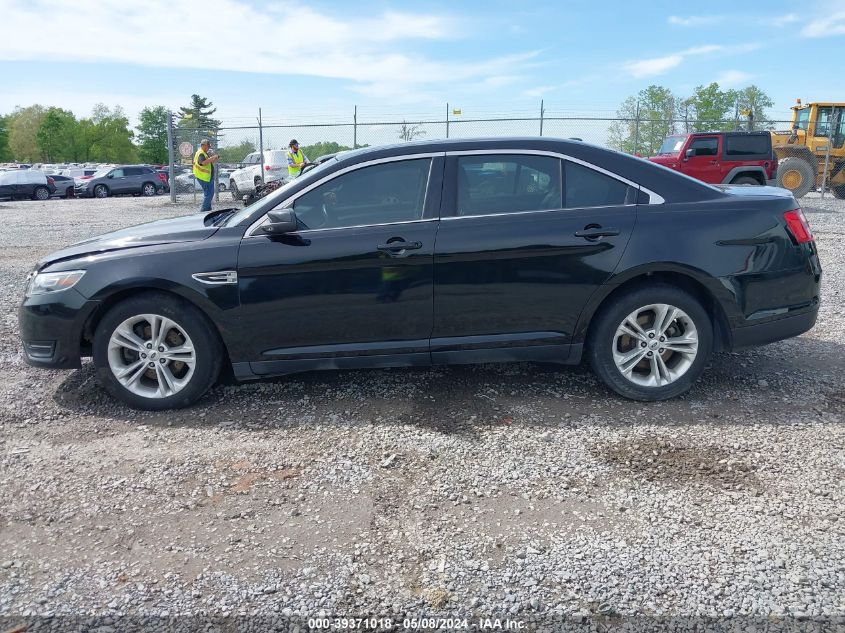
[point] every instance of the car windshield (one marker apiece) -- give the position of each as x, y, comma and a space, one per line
281, 192
101, 172
672, 144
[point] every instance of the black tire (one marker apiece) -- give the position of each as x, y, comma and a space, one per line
148, 189
236, 194
69, 192
207, 347
101, 191
41, 193
613, 314
745, 180
839, 192
797, 175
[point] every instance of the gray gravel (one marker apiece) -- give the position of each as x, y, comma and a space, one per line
520, 490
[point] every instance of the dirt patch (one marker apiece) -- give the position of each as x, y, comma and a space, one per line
672, 462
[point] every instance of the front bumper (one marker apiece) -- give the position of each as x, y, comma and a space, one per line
51, 328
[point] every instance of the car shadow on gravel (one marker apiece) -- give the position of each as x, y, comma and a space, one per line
779, 381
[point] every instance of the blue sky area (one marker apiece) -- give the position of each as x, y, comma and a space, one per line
304, 61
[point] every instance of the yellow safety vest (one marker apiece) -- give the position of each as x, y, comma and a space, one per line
202, 172
298, 157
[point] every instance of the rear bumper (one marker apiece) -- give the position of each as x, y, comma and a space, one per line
774, 330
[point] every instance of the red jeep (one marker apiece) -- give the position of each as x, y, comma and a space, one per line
737, 158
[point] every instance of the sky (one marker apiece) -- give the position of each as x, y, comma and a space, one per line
314, 61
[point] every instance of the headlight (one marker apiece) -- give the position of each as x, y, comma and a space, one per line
42, 283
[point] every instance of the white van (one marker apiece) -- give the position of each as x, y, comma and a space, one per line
244, 180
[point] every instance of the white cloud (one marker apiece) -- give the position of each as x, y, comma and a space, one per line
288, 38
733, 78
695, 20
654, 66
783, 20
826, 25
538, 91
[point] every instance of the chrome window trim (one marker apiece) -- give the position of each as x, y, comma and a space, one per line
287, 202
653, 197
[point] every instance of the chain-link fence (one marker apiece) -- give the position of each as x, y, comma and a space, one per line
242, 167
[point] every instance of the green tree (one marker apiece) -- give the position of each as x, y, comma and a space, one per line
645, 119
5, 150
753, 99
23, 130
57, 135
152, 135
236, 153
712, 108
197, 118
106, 137
409, 132
322, 148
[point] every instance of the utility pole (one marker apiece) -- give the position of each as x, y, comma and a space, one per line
637, 129
355, 128
170, 156
447, 120
542, 112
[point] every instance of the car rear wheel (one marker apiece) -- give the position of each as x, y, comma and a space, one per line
745, 180
797, 175
236, 195
41, 193
69, 192
101, 191
155, 352
651, 343
148, 189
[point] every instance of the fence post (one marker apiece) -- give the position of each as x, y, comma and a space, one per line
833, 122
215, 168
355, 128
170, 157
542, 111
447, 120
261, 144
637, 129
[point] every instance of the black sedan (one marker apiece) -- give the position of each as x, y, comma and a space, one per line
439, 252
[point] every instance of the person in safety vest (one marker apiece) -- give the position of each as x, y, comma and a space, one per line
204, 173
296, 159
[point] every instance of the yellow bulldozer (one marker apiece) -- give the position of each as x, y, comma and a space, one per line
805, 161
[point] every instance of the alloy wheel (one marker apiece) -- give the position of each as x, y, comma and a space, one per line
151, 356
655, 345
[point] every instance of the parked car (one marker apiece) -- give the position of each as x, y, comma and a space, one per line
736, 158
546, 250
187, 181
26, 183
243, 181
64, 186
79, 172
164, 177
124, 179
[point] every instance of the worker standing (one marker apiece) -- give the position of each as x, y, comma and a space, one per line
203, 172
296, 159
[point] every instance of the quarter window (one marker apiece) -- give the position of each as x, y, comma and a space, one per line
587, 187
379, 194
504, 183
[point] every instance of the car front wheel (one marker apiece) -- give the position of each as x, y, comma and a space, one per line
101, 191
651, 343
155, 351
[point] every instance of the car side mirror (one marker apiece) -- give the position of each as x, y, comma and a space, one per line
109, 175
281, 221
689, 153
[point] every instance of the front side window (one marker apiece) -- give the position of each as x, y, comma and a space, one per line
379, 194
117, 173
585, 187
802, 120
504, 183
823, 125
708, 146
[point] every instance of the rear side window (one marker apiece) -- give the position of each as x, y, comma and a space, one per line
708, 146
132, 171
585, 187
748, 145
503, 183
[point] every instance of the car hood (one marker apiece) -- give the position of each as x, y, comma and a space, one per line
191, 228
664, 159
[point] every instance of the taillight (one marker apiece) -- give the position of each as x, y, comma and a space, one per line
798, 226
162, 177
268, 167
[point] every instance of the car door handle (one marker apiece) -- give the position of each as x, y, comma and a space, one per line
596, 232
397, 247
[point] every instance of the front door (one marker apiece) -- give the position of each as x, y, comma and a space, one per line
704, 163
355, 281
528, 239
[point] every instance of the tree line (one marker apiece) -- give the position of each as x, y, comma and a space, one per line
647, 118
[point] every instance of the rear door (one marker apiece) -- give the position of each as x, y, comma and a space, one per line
704, 162
524, 240
355, 281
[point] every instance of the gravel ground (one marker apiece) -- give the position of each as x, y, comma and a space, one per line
523, 491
